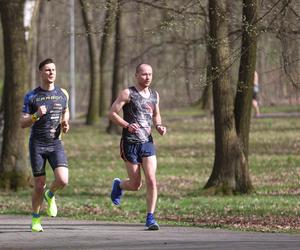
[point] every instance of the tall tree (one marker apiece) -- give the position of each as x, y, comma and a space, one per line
244, 92
230, 171
206, 99
93, 106
32, 42
288, 34
117, 77
104, 52
14, 171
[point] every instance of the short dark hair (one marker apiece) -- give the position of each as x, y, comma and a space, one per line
46, 61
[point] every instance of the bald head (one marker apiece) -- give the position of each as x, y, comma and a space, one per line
143, 75
142, 66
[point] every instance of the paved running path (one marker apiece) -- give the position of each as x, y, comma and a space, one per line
61, 233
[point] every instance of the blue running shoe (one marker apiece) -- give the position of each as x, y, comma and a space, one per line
116, 192
151, 223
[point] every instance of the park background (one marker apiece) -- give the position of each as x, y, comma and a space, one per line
96, 46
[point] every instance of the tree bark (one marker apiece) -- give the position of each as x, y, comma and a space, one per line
206, 99
32, 44
112, 127
246, 73
244, 92
93, 106
14, 171
104, 53
229, 156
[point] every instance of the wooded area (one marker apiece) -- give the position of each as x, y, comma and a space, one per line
171, 35
192, 45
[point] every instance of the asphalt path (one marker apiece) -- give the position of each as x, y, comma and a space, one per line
62, 233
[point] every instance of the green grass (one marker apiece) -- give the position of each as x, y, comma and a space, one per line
185, 159
283, 108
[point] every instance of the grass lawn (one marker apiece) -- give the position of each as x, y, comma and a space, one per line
185, 159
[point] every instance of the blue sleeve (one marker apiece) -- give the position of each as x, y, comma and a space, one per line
26, 106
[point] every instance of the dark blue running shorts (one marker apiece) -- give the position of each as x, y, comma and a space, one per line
40, 153
135, 152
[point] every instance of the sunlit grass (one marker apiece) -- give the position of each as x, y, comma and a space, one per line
283, 108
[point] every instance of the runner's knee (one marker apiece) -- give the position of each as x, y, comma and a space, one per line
151, 183
61, 177
62, 182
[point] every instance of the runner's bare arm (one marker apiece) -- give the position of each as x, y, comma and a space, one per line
116, 107
65, 121
27, 120
66, 115
157, 119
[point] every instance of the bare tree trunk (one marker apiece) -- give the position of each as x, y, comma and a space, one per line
112, 127
187, 74
206, 99
93, 106
229, 156
246, 73
244, 92
32, 44
290, 48
104, 53
14, 171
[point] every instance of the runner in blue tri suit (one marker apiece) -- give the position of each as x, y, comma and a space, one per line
46, 111
140, 106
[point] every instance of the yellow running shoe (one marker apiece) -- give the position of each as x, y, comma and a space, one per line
36, 225
52, 208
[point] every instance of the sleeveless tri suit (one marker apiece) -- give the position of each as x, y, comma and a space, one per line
135, 146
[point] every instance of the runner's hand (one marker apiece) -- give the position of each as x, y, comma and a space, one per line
42, 110
162, 130
65, 126
133, 127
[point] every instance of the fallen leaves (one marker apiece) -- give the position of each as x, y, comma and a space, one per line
259, 223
